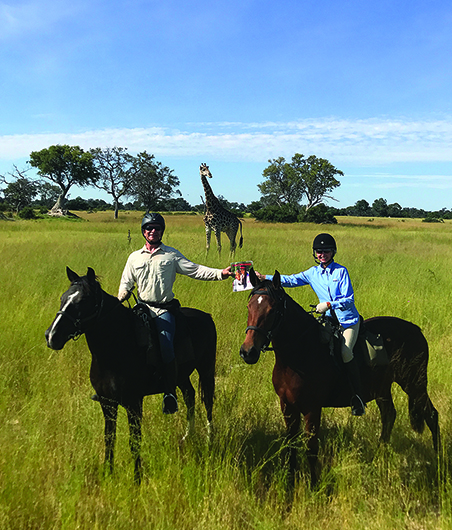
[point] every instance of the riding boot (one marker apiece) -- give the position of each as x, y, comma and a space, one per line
169, 371
354, 379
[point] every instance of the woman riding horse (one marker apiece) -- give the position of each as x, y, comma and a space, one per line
331, 283
153, 269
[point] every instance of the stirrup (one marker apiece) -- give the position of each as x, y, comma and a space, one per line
358, 406
169, 405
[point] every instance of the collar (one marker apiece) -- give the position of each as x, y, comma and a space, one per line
328, 268
145, 250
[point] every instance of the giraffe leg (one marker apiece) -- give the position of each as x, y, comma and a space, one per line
218, 238
208, 234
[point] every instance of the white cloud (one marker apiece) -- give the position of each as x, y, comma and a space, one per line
359, 142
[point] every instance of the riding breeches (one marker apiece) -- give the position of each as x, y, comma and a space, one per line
166, 327
350, 336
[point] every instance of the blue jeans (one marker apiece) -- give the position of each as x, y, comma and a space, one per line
166, 327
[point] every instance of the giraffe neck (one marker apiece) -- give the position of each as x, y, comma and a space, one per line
211, 200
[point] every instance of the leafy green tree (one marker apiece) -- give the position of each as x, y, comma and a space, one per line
316, 178
116, 170
311, 178
20, 193
152, 183
64, 165
380, 207
395, 210
48, 194
281, 186
362, 208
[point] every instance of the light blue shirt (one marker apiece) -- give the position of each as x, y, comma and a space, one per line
331, 284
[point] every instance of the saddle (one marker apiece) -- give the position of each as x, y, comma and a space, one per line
147, 333
369, 348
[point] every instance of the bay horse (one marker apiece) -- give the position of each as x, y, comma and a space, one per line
306, 377
120, 372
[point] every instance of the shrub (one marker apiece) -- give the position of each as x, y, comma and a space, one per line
27, 213
433, 219
318, 214
277, 214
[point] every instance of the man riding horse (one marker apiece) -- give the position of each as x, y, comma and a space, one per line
153, 270
331, 283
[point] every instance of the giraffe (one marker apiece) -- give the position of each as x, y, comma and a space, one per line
218, 218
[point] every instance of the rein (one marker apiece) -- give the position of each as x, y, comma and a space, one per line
280, 312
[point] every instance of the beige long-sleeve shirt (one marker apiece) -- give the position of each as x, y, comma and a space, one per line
155, 273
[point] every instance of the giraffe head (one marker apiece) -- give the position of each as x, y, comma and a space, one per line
204, 171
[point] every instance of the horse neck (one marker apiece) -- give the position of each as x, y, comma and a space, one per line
105, 332
299, 332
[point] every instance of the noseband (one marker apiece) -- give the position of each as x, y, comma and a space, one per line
280, 310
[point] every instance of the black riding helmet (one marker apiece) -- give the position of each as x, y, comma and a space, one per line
323, 242
151, 218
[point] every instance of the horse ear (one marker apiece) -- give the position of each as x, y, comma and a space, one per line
253, 278
91, 275
276, 280
72, 276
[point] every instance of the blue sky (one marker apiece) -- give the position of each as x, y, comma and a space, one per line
364, 84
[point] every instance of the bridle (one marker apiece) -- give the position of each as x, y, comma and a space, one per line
79, 322
280, 309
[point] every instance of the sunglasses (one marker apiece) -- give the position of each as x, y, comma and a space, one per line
149, 228
324, 251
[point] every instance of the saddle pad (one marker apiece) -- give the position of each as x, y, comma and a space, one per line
377, 354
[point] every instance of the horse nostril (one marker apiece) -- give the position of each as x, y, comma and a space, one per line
250, 356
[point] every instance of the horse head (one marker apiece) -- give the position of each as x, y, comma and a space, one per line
266, 308
79, 304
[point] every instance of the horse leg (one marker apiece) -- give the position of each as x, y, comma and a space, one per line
312, 425
388, 415
110, 411
292, 419
134, 415
207, 387
188, 393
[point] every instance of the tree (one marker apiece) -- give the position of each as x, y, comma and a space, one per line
116, 170
152, 183
315, 177
20, 193
395, 210
65, 166
48, 194
280, 187
287, 184
380, 207
362, 208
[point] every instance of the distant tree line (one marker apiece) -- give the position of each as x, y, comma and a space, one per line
292, 191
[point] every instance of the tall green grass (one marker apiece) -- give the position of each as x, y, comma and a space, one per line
51, 438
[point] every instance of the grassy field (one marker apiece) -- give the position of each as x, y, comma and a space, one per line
52, 433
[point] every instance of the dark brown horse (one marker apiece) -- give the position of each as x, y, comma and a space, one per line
120, 372
307, 377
